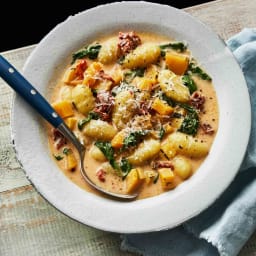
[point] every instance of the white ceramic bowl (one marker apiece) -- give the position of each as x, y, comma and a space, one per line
171, 208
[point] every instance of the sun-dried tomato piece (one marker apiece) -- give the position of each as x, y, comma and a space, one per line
59, 139
162, 164
104, 105
128, 42
101, 174
105, 76
197, 100
80, 68
207, 128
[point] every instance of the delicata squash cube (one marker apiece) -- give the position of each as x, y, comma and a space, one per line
131, 100
71, 161
133, 180
162, 107
70, 122
118, 140
63, 108
177, 63
166, 176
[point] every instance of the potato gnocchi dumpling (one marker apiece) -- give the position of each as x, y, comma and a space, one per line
144, 108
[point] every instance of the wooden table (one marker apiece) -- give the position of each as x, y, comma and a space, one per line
31, 226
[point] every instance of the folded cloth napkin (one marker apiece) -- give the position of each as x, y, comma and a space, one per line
223, 228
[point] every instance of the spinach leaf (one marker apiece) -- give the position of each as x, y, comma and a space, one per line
83, 122
121, 60
156, 178
161, 133
58, 157
66, 151
90, 51
125, 166
198, 71
176, 115
133, 138
130, 75
189, 82
177, 46
190, 123
169, 101
187, 107
108, 152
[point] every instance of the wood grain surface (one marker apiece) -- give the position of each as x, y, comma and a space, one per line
29, 225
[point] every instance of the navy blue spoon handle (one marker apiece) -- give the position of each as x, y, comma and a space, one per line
24, 88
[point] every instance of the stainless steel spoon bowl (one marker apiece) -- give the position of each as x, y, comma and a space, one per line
81, 150
39, 103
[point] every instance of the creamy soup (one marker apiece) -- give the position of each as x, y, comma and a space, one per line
144, 108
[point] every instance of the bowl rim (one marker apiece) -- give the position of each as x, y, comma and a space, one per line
142, 215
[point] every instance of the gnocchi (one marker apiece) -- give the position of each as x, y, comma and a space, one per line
83, 99
142, 56
109, 51
134, 102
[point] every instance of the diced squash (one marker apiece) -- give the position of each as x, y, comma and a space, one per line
117, 74
168, 150
182, 167
141, 173
152, 73
69, 75
161, 107
74, 75
71, 161
143, 83
132, 180
63, 108
177, 63
168, 128
118, 140
70, 122
89, 74
166, 177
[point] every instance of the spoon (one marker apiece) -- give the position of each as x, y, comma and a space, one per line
39, 103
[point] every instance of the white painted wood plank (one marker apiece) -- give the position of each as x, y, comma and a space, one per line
31, 226
226, 17
11, 175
